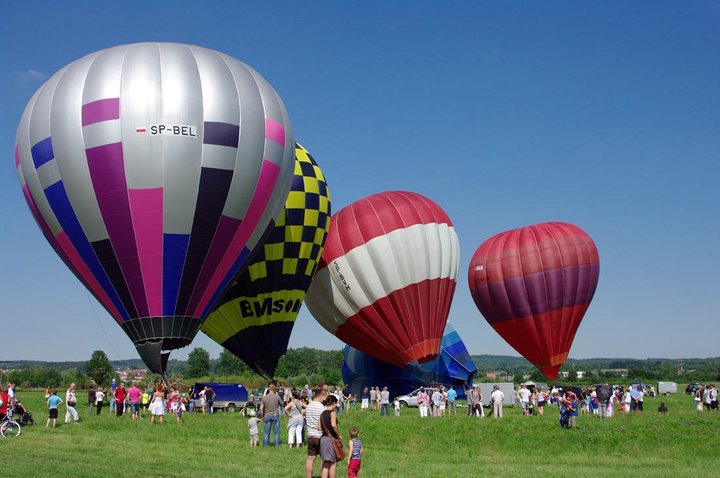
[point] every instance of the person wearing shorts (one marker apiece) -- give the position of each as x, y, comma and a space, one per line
53, 402
314, 433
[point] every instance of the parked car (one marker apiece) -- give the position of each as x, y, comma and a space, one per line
410, 400
255, 396
691, 387
228, 396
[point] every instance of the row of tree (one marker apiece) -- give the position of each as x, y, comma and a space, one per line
312, 366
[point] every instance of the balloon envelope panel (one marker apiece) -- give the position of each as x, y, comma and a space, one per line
453, 366
387, 276
153, 170
533, 285
256, 316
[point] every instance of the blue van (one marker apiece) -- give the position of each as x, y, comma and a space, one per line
228, 396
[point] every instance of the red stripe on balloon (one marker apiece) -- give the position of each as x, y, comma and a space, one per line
383, 331
371, 217
544, 340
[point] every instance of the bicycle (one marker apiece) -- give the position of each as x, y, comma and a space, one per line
9, 427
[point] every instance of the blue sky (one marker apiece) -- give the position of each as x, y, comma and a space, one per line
603, 114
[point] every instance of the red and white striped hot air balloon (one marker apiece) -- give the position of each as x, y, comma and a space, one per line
387, 276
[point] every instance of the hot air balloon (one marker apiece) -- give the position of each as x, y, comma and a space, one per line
387, 277
255, 317
453, 366
533, 285
153, 169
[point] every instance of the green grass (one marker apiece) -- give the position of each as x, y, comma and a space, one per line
683, 443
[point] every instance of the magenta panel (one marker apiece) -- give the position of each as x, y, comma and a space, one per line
146, 206
101, 110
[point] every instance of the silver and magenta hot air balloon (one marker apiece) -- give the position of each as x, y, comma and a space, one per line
153, 169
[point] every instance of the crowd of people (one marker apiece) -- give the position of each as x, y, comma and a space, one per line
706, 397
312, 413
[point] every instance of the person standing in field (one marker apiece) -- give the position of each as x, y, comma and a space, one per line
4, 404
120, 394
53, 403
541, 401
469, 401
355, 451
329, 428
253, 428
314, 433
365, 403
70, 404
451, 405
478, 409
157, 407
524, 395
443, 401
385, 402
373, 398
270, 406
423, 400
435, 399
135, 395
113, 388
699, 393
640, 399
294, 410
713, 398
627, 401
707, 398
91, 400
497, 397
210, 399
99, 400
145, 401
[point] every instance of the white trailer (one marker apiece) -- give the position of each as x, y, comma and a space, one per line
508, 389
666, 388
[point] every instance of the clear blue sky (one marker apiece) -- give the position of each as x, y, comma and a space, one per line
603, 114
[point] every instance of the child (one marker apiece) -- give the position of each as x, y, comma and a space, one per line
662, 409
396, 404
355, 451
253, 427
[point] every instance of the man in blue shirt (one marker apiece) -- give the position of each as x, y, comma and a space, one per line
634, 395
53, 402
451, 396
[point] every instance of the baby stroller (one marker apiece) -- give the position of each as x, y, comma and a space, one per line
23, 416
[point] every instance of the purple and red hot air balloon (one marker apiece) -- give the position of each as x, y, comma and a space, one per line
533, 285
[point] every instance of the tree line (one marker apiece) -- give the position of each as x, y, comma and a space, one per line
313, 366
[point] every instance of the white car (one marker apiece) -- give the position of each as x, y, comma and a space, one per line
410, 400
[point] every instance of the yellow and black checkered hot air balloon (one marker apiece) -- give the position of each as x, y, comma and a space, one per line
255, 317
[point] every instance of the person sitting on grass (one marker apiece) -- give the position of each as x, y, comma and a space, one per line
662, 409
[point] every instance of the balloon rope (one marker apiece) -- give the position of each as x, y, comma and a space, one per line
92, 306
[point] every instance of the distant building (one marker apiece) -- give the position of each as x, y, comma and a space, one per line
617, 372
136, 375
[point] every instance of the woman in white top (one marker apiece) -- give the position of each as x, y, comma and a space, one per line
157, 407
294, 410
99, 399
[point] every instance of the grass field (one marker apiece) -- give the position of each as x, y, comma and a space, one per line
683, 443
